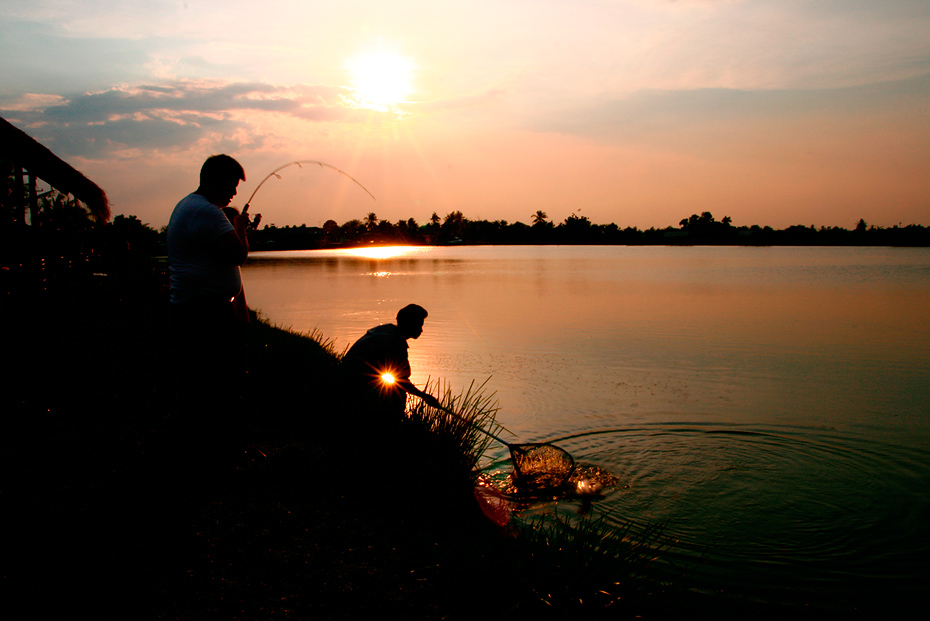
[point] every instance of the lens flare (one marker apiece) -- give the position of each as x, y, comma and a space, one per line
387, 378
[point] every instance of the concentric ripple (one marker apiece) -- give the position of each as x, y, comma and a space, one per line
770, 513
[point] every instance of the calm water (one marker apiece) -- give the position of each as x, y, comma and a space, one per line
770, 405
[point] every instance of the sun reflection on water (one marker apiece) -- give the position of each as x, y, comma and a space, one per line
382, 252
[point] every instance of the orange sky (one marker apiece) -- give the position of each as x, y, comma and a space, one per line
638, 112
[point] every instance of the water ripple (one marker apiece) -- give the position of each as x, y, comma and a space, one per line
774, 510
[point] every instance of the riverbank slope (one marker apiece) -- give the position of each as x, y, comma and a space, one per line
307, 519
297, 523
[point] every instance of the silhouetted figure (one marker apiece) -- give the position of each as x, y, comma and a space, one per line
377, 370
240, 306
205, 250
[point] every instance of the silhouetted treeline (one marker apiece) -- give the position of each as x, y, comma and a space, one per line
65, 253
64, 249
455, 228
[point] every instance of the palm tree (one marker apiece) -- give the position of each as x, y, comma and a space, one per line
371, 221
539, 218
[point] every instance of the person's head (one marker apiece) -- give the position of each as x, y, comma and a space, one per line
410, 320
219, 177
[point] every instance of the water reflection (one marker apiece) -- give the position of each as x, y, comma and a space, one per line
768, 404
581, 338
379, 252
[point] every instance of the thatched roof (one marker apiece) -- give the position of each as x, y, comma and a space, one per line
18, 147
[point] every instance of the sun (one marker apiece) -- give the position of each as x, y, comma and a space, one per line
381, 80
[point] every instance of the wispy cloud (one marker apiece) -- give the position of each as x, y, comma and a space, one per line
645, 112
163, 116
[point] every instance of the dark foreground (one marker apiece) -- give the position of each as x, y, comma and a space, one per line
109, 513
107, 516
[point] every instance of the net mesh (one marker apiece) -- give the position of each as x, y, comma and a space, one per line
541, 465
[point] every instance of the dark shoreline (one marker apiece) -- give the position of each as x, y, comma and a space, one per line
696, 230
304, 522
290, 526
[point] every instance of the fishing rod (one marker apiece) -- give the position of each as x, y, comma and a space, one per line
274, 173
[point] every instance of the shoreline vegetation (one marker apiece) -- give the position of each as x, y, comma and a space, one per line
309, 517
455, 228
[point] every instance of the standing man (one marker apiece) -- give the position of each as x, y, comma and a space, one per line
204, 247
205, 250
378, 364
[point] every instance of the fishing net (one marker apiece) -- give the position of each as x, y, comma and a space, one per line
541, 465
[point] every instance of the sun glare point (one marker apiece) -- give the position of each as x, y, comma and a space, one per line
381, 79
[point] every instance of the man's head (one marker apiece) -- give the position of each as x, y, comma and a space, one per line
410, 320
219, 177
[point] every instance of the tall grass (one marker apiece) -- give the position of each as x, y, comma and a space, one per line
460, 434
292, 376
271, 331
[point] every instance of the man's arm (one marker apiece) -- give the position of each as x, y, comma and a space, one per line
408, 387
233, 246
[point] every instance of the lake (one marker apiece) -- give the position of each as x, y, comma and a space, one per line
770, 406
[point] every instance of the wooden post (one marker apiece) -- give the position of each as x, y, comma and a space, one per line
19, 194
33, 200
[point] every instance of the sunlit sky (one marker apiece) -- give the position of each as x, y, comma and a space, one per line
639, 112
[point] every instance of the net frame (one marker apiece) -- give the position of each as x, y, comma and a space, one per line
537, 465
540, 465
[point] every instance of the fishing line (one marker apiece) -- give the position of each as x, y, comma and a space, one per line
274, 173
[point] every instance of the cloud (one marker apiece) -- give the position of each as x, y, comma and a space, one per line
165, 116
656, 111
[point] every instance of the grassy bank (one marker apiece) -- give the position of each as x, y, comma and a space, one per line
291, 525
307, 519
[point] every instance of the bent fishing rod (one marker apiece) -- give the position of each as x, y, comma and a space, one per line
299, 164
